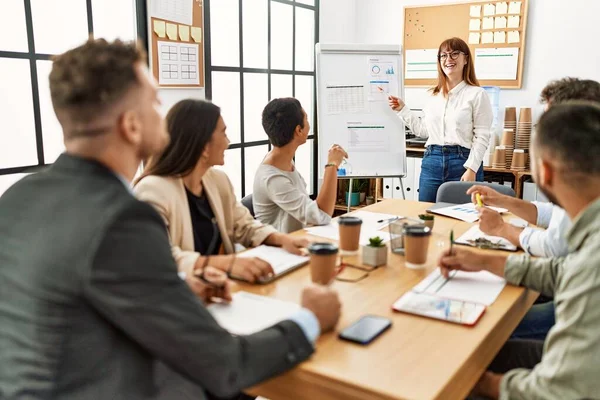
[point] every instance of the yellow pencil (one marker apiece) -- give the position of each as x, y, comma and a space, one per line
479, 202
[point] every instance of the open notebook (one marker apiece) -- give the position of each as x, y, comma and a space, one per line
281, 261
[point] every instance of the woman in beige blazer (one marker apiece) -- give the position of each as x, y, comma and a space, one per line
197, 201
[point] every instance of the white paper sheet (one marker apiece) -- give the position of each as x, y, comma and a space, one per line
280, 260
367, 138
178, 63
465, 212
172, 10
475, 11
513, 21
331, 231
475, 233
488, 23
500, 37
342, 99
500, 22
502, 8
474, 24
514, 7
489, 9
474, 37
500, 63
476, 287
487, 37
382, 73
513, 37
249, 313
421, 64
371, 219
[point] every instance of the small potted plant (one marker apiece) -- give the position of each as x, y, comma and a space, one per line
370, 200
427, 220
375, 253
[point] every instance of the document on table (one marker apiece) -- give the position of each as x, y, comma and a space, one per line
331, 231
476, 287
470, 236
465, 212
371, 219
250, 313
280, 260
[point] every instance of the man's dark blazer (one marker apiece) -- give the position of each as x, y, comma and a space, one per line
91, 305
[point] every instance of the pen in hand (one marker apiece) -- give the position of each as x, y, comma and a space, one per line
451, 241
478, 198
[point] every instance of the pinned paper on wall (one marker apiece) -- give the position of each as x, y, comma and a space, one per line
475, 25
500, 37
502, 8
500, 22
499, 63
513, 21
513, 37
474, 38
514, 7
197, 34
489, 9
172, 31
487, 37
179, 11
184, 33
159, 28
488, 23
475, 11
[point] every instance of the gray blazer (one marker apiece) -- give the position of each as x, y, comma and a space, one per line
91, 306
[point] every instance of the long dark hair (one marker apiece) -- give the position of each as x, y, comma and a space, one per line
190, 124
468, 72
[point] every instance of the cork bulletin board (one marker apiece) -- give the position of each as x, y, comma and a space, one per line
494, 30
176, 50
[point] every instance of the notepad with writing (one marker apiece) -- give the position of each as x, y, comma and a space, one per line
459, 312
250, 313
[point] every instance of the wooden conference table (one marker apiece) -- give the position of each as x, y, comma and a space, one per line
418, 358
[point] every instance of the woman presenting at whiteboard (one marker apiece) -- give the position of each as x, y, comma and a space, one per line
457, 121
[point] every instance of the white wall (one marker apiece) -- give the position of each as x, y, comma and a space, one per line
560, 42
168, 97
337, 21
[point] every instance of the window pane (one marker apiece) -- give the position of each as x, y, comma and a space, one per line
114, 19
224, 33
13, 21
233, 169
253, 157
256, 33
58, 25
51, 129
7, 181
281, 86
282, 35
309, 2
305, 39
226, 94
256, 97
304, 163
17, 128
304, 94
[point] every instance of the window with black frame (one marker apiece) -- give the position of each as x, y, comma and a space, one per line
33, 31
258, 50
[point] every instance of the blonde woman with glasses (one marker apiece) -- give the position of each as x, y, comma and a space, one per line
457, 121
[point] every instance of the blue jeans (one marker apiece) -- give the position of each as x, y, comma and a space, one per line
536, 323
442, 164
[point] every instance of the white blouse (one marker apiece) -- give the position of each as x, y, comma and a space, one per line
463, 119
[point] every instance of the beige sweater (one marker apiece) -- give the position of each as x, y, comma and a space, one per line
235, 222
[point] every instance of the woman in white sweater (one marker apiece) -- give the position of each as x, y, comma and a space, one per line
279, 196
457, 122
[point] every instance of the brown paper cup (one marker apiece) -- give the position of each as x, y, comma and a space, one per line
510, 114
323, 261
416, 245
525, 115
349, 234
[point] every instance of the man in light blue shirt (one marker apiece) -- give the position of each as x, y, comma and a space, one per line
552, 241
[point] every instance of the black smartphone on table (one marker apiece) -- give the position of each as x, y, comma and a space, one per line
366, 329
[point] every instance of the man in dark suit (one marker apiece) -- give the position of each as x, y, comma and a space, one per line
91, 306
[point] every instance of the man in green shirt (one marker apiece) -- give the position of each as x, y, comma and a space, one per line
565, 161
